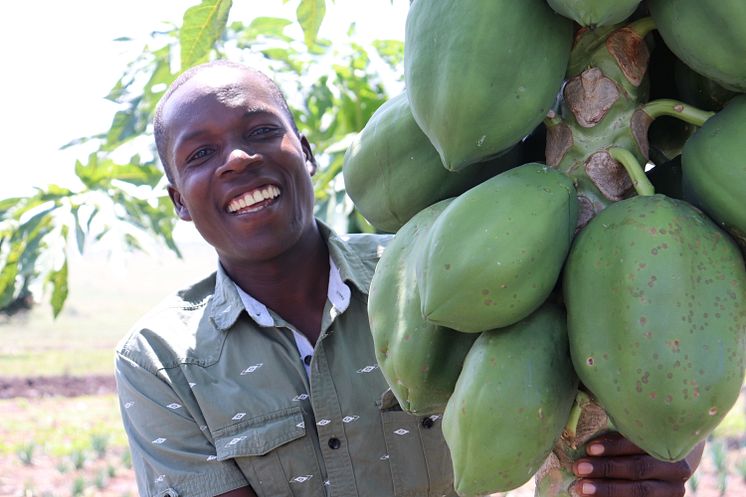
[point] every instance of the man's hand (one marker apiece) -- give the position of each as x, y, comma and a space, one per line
615, 467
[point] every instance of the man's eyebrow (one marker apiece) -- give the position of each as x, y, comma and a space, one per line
255, 111
248, 114
190, 136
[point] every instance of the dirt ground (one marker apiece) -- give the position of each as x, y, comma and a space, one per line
63, 386
117, 480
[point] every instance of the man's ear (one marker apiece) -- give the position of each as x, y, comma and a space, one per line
311, 165
181, 209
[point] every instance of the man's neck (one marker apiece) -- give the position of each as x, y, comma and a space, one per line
294, 285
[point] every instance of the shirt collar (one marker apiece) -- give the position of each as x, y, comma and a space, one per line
337, 292
351, 267
345, 266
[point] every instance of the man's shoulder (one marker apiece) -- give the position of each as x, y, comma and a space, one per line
170, 326
367, 245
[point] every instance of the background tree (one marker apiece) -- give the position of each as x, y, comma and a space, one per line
332, 89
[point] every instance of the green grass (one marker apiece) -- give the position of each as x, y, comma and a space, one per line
70, 428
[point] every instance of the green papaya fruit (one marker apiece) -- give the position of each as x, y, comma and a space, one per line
392, 171
713, 165
707, 35
420, 361
656, 303
593, 13
700, 91
482, 74
495, 253
511, 402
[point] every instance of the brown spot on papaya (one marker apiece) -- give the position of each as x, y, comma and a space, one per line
447, 266
713, 411
589, 361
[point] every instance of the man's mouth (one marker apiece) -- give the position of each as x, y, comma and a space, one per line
253, 200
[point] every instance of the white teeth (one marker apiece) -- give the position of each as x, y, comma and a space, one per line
254, 197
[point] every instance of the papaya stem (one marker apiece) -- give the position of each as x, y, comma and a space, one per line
552, 119
674, 108
642, 26
640, 181
571, 428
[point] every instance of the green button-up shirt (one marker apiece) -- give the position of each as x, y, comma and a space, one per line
212, 400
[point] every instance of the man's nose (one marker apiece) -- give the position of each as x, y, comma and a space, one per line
238, 159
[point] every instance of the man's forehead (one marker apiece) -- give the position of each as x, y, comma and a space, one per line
230, 85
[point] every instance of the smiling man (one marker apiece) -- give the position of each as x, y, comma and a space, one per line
262, 378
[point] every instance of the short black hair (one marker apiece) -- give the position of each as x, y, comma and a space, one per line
159, 130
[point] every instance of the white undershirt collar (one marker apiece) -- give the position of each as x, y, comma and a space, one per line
338, 294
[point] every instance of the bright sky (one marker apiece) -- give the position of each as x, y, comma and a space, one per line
60, 60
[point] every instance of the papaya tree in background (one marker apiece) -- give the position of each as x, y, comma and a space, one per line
332, 89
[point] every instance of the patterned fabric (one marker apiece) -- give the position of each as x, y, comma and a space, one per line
214, 396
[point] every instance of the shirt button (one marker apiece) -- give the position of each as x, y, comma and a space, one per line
334, 443
307, 360
428, 422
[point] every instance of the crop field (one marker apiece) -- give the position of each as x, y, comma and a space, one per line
73, 445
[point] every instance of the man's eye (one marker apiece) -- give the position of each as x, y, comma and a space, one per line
262, 130
199, 154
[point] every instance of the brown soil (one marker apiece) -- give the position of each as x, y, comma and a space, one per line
61, 386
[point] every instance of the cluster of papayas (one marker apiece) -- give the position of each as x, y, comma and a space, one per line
612, 267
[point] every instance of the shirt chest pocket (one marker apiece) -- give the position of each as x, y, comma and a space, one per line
418, 455
274, 453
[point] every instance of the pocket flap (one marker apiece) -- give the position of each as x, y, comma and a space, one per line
259, 435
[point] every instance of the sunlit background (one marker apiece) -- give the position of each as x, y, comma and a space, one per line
60, 59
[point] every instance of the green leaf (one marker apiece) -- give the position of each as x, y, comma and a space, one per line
26, 243
7, 205
122, 127
391, 51
132, 243
9, 273
310, 14
79, 233
99, 172
58, 280
273, 27
202, 27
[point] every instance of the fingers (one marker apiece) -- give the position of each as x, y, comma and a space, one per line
619, 488
636, 467
612, 444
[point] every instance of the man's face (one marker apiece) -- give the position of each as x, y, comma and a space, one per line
240, 171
